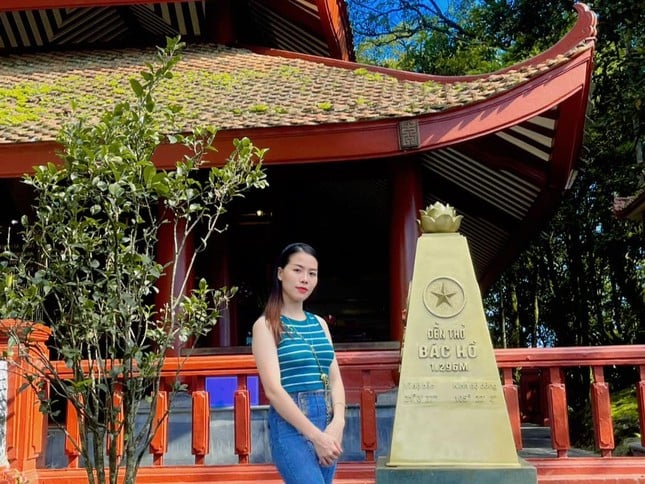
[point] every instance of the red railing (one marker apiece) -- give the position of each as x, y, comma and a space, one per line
366, 374
554, 362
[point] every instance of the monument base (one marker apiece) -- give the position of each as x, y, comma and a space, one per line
525, 474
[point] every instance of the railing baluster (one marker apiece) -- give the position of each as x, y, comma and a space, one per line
558, 413
641, 401
365, 380
159, 442
369, 430
601, 411
72, 439
511, 396
24, 431
242, 419
201, 425
368, 423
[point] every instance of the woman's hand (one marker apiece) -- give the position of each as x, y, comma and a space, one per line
327, 448
335, 430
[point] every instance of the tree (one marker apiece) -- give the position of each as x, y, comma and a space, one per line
589, 267
87, 265
520, 28
423, 36
456, 37
582, 280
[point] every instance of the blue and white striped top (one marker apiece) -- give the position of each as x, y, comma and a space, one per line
299, 371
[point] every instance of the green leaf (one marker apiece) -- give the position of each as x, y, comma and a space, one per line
136, 87
115, 189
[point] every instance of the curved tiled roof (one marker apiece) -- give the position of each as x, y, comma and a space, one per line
500, 147
230, 89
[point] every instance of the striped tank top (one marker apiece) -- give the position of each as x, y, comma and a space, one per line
299, 371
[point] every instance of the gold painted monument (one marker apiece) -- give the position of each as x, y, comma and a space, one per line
450, 410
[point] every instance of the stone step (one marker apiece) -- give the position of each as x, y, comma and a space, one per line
536, 442
534, 436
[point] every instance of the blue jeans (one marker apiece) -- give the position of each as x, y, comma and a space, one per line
294, 455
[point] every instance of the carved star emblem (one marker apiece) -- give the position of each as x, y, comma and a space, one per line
443, 297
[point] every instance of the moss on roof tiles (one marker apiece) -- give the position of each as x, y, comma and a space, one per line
228, 88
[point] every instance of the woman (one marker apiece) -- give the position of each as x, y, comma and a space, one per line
299, 373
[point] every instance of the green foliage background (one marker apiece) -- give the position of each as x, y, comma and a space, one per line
582, 280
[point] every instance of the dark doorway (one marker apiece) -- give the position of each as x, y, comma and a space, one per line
343, 210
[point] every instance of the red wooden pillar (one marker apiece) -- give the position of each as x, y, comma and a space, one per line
407, 199
170, 232
225, 332
24, 420
219, 17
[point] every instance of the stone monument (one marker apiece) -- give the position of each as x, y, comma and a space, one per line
451, 425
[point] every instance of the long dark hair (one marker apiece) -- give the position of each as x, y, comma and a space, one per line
273, 308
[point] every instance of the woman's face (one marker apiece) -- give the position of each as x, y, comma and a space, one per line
299, 277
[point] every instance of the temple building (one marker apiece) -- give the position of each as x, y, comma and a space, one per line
354, 151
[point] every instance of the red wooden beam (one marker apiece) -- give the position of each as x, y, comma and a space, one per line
588, 470
20, 158
335, 26
571, 356
346, 473
243, 364
579, 470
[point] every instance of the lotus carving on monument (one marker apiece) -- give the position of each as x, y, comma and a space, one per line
439, 218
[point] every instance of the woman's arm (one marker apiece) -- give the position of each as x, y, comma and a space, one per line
337, 389
265, 353
337, 424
